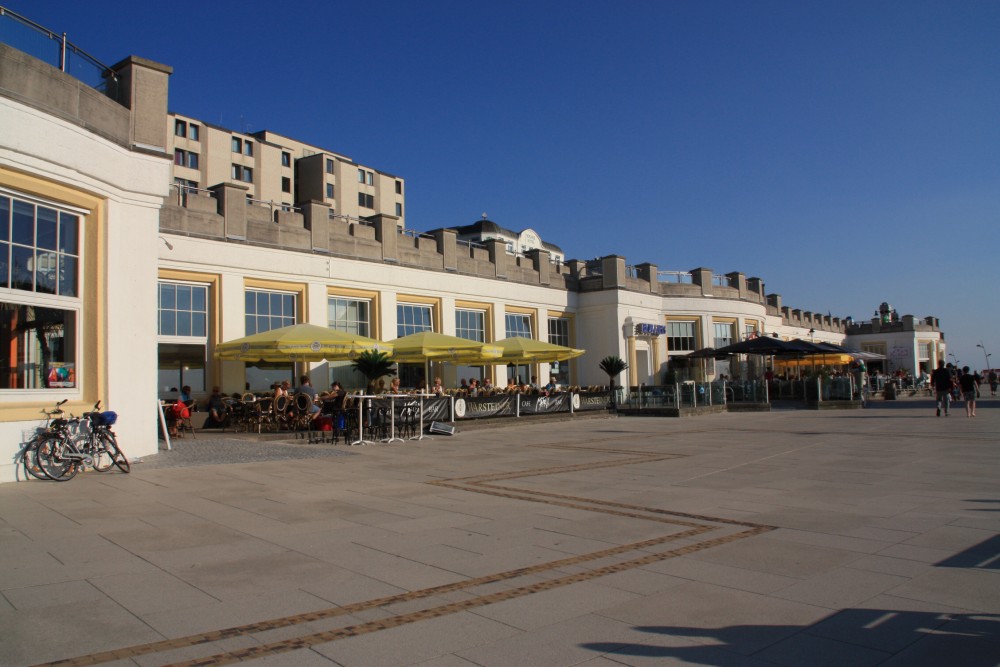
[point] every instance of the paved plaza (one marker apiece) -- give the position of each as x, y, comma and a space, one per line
795, 537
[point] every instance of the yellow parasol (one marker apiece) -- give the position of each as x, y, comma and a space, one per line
528, 350
298, 342
430, 346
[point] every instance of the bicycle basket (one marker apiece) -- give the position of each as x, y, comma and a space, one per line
107, 418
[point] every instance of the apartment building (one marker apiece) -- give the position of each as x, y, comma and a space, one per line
279, 172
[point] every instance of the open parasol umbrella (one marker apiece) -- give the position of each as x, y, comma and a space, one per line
298, 342
427, 346
528, 350
430, 346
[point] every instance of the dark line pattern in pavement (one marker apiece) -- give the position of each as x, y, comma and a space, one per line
476, 484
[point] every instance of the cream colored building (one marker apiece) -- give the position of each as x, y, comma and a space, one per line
278, 171
117, 288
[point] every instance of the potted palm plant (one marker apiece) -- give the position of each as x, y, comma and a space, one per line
373, 365
613, 366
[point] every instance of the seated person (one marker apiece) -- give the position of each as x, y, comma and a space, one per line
437, 389
218, 414
305, 387
335, 399
394, 387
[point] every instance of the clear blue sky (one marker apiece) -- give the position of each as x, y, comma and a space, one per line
848, 153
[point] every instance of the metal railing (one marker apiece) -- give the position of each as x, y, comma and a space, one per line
678, 277
274, 206
55, 49
180, 193
350, 219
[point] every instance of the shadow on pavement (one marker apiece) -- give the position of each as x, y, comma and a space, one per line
851, 636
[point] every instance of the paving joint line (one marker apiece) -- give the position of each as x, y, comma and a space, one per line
474, 484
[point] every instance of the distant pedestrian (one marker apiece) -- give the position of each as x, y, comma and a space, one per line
941, 379
969, 384
992, 379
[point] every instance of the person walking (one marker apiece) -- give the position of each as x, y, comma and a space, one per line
941, 379
992, 379
969, 385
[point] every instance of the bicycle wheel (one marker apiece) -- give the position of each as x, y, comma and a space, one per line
110, 442
28, 459
103, 455
51, 458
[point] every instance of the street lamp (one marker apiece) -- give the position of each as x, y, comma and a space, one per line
985, 354
958, 364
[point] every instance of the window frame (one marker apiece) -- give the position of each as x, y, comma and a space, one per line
67, 303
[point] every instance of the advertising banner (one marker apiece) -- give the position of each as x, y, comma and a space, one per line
486, 406
598, 400
536, 405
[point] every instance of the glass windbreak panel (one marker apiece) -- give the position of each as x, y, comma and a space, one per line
180, 365
518, 326
469, 324
37, 347
261, 377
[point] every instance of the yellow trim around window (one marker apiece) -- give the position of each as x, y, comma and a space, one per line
434, 302
299, 289
374, 310
92, 369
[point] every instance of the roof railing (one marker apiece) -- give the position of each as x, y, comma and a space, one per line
37, 40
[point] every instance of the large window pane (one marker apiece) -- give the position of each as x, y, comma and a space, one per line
22, 262
46, 227
183, 310
23, 223
4, 218
268, 310
412, 319
518, 326
68, 272
37, 347
469, 324
180, 365
349, 315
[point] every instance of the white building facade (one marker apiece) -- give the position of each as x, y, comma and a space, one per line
118, 290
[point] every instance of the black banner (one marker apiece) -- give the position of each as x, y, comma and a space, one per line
540, 404
598, 400
485, 406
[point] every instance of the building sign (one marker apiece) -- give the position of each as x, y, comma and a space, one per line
645, 329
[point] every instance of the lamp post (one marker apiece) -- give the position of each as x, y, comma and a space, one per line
985, 354
958, 364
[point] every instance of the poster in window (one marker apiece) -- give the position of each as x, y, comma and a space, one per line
61, 374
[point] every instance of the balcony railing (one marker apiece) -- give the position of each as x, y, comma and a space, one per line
55, 49
677, 277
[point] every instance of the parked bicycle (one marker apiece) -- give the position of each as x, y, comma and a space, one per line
62, 448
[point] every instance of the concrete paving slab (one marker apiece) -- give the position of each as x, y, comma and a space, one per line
788, 537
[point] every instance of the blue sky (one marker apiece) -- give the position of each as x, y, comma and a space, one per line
848, 153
